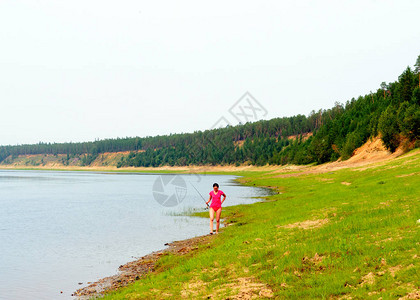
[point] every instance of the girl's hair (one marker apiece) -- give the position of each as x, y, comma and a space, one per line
215, 184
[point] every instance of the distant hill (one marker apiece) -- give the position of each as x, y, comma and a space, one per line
392, 112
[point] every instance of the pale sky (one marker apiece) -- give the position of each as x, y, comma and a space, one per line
82, 70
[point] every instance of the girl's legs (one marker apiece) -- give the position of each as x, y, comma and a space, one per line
218, 213
211, 211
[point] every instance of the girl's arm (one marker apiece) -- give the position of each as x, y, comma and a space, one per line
208, 200
224, 197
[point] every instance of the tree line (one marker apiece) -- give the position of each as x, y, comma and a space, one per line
392, 111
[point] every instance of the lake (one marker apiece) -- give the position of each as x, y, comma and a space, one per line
62, 228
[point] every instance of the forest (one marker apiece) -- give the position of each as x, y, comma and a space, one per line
393, 111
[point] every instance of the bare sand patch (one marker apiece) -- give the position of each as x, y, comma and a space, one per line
248, 288
406, 175
316, 259
236, 288
394, 270
415, 294
325, 179
305, 136
368, 279
308, 224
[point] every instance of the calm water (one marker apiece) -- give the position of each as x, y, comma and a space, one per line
59, 229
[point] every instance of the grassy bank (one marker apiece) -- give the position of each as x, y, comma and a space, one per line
347, 233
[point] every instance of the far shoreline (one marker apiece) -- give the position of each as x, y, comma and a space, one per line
206, 169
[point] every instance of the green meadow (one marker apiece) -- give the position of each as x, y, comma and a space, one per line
345, 234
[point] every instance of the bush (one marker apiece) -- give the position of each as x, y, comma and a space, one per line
388, 127
353, 141
409, 120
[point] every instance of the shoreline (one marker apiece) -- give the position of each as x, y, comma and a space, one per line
205, 169
367, 154
139, 268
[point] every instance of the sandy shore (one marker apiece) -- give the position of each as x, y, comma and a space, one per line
177, 169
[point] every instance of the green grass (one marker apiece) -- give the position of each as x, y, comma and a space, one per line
367, 247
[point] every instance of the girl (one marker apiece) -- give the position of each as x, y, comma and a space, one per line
215, 206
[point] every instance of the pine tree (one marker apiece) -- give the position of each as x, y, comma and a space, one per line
417, 67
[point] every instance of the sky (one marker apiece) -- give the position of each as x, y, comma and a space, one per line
86, 70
